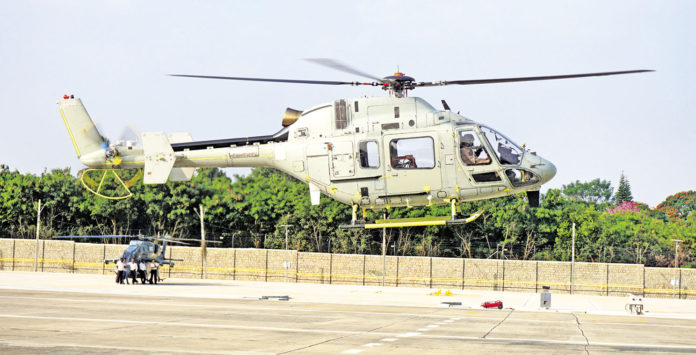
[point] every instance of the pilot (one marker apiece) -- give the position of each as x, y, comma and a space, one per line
469, 154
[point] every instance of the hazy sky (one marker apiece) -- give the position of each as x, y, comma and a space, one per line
115, 54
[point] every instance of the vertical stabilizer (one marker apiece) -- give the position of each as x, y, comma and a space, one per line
83, 133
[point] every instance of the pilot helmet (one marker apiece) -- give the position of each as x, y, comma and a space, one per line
468, 138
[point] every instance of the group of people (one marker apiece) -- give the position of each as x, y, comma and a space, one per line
135, 269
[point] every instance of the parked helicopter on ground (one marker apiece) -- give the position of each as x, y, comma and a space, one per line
368, 152
140, 247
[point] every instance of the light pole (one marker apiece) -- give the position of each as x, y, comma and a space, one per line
38, 229
572, 262
676, 264
286, 233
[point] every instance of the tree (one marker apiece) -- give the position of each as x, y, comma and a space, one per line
623, 193
595, 191
679, 205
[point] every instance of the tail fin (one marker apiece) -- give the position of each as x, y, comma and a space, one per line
82, 131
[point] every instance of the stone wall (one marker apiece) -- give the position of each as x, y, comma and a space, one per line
400, 271
348, 269
446, 273
7, 258
414, 271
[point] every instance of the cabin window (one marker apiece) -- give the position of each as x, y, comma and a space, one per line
341, 114
508, 152
369, 154
412, 153
490, 176
519, 177
356, 107
396, 112
471, 150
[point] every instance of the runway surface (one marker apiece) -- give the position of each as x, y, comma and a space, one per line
127, 321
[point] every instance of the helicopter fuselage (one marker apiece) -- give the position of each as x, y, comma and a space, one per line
371, 152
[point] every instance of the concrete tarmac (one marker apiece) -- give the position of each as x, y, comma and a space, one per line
80, 313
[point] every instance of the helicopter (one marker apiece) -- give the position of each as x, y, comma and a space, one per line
140, 248
373, 153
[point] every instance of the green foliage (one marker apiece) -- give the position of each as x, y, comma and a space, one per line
595, 191
249, 210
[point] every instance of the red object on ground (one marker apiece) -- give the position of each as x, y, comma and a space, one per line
492, 304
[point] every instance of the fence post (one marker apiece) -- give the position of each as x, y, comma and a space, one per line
73, 257
364, 262
463, 272
431, 272
297, 266
103, 257
14, 246
503, 275
43, 254
643, 291
266, 276
536, 278
608, 279
234, 264
396, 279
330, 267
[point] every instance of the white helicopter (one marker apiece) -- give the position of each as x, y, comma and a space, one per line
368, 152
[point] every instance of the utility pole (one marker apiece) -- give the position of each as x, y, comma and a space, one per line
286, 233
572, 263
203, 251
38, 229
676, 265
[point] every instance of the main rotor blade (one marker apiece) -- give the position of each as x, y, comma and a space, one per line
529, 78
319, 82
91, 236
334, 64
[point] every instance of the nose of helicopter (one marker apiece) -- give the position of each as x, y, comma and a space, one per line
546, 170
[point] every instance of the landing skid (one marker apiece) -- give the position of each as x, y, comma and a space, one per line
413, 222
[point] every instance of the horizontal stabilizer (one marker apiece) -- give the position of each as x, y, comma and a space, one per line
159, 158
181, 174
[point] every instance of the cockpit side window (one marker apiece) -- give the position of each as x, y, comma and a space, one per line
508, 152
471, 150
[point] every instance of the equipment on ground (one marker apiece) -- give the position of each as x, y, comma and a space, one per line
493, 304
635, 304
545, 297
372, 153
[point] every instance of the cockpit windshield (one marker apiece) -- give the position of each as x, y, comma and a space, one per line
508, 152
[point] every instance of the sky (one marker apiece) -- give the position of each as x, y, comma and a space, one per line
115, 56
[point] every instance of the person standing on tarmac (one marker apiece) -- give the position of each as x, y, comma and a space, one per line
119, 271
153, 271
134, 270
126, 274
141, 271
